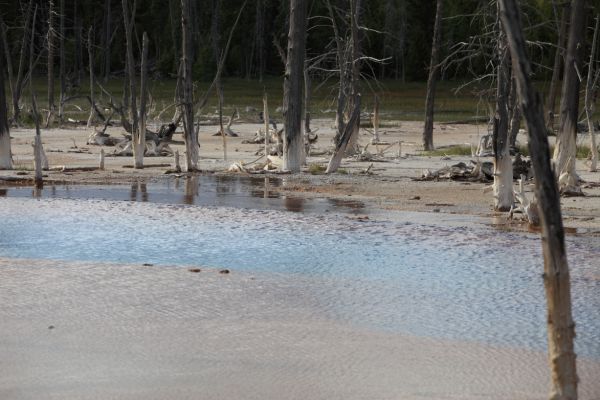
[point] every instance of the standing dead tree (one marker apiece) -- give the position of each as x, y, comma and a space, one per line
432, 79
187, 103
51, 39
565, 150
62, 62
39, 158
561, 328
18, 86
589, 101
559, 54
5, 150
92, 116
293, 144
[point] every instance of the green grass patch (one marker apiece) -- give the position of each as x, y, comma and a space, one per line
458, 150
316, 169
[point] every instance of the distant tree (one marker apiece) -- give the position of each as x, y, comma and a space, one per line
5, 151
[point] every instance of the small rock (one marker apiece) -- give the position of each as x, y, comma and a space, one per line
224, 271
436, 210
415, 198
51, 327
147, 265
195, 270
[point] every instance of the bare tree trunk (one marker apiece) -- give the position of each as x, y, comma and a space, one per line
565, 150
558, 59
139, 145
293, 146
515, 119
5, 150
133, 110
561, 328
376, 137
503, 175
21, 71
340, 149
92, 118
51, 48
266, 118
589, 101
307, 96
63, 82
355, 11
107, 39
260, 38
189, 134
432, 79
78, 47
37, 144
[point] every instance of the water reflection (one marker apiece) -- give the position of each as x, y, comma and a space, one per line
3, 192
295, 204
192, 189
139, 192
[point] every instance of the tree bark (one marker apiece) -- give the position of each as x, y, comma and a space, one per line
51, 49
37, 144
341, 59
565, 150
139, 145
133, 110
589, 101
189, 134
561, 328
558, 61
503, 174
293, 146
432, 79
340, 148
7, 56
355, 11
5, 150
515, 119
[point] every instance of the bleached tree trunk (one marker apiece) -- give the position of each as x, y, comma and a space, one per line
355, 12
342, 62
293, 145
565, 150
503, 174
5, 150
139, 145
376, 137
51, 51
432, 79
589, 101
558, 61
92, 117
561, 328
340, 148
189, 134
37, 144
515, 119
128, 21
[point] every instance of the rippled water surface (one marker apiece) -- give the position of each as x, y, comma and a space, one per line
429, 280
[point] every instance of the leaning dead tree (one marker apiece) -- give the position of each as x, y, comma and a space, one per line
566, 139
561, 328
432, 78
293, 143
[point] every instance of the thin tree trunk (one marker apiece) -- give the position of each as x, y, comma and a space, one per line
503, 175
5, 150
62, 72
558, 60
515, 119
191, 139
561, 328
21, 71
589, 101
51, 48
266, 118
7, 57
376, 138
92, 118
133, 110
432, 79
343, 84
340, 149
107, 39
78, 47
37, 144
140, 144
307, 97
565, 150
293, 146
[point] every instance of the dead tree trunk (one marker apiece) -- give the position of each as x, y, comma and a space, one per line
38, 152
565, 150
63, 81
340, 148
107, 39
139, 145
432, 79
7, 56
51, 48
5, 151
355, 11
589, 101
78, 32
18, 89
189, 134
561, 328
293, 146
558, 61
133, 111
92, 117
503, 175
515, 119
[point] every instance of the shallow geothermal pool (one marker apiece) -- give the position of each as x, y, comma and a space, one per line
389, 275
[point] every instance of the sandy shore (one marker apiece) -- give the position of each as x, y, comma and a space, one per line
97, 331
390, 187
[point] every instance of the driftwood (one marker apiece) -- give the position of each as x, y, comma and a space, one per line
477, 171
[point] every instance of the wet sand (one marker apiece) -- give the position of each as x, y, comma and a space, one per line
73, 330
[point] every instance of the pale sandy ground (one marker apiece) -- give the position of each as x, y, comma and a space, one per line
107, 331
391, 186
